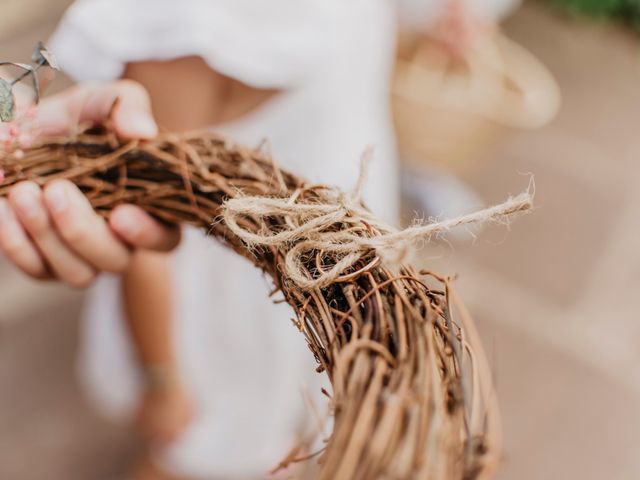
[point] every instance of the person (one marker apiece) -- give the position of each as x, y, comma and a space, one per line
190, 344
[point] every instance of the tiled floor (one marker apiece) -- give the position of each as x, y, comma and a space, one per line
555, 297
47, 431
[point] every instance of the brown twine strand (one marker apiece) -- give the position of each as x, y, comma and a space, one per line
411, 391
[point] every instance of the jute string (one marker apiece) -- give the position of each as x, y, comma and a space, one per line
343, 229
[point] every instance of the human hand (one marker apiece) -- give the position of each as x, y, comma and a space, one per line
459, 29
53, 232
163, 415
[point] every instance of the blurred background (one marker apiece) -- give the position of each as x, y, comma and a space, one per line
555, 295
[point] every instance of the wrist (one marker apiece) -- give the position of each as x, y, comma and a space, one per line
161, 377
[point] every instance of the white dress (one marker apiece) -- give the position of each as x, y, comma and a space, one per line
243, 362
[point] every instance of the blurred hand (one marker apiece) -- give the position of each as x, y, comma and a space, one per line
459, 29
53, 232
163, 415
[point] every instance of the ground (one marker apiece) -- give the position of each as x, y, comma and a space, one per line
555, 296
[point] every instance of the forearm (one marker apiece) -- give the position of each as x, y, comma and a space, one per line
148, 305
165, 408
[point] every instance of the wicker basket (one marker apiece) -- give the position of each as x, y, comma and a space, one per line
447, 112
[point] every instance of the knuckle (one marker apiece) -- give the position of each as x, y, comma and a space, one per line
142, 237
81, 279
132, 87
38, 227
13, 247
120, 265
38, 272
18, 252
76, 232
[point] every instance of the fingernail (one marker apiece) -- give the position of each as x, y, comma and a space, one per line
138, 124
26, 204
57, 198
127, 222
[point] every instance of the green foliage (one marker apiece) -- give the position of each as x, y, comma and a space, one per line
7, 104
627, 11
41, 58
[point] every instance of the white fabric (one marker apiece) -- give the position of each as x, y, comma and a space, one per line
244, 363
247, 39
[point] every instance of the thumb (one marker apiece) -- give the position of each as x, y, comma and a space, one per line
131, 107
93, 103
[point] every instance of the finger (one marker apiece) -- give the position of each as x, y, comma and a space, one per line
132, 115
26, 199
93, 103
84, 231
137, 228
17, 246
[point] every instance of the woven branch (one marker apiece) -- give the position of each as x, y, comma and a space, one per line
411, 394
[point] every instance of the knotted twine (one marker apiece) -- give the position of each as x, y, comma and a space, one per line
342, 230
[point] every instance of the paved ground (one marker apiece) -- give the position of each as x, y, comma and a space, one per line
555, 297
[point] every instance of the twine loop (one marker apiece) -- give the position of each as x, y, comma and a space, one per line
328, 232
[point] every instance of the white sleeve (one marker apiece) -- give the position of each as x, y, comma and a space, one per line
263, 43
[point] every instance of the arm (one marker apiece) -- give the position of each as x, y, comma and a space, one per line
185, 94
148, 305
165, 407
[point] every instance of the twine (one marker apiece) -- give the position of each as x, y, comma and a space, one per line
342, 229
